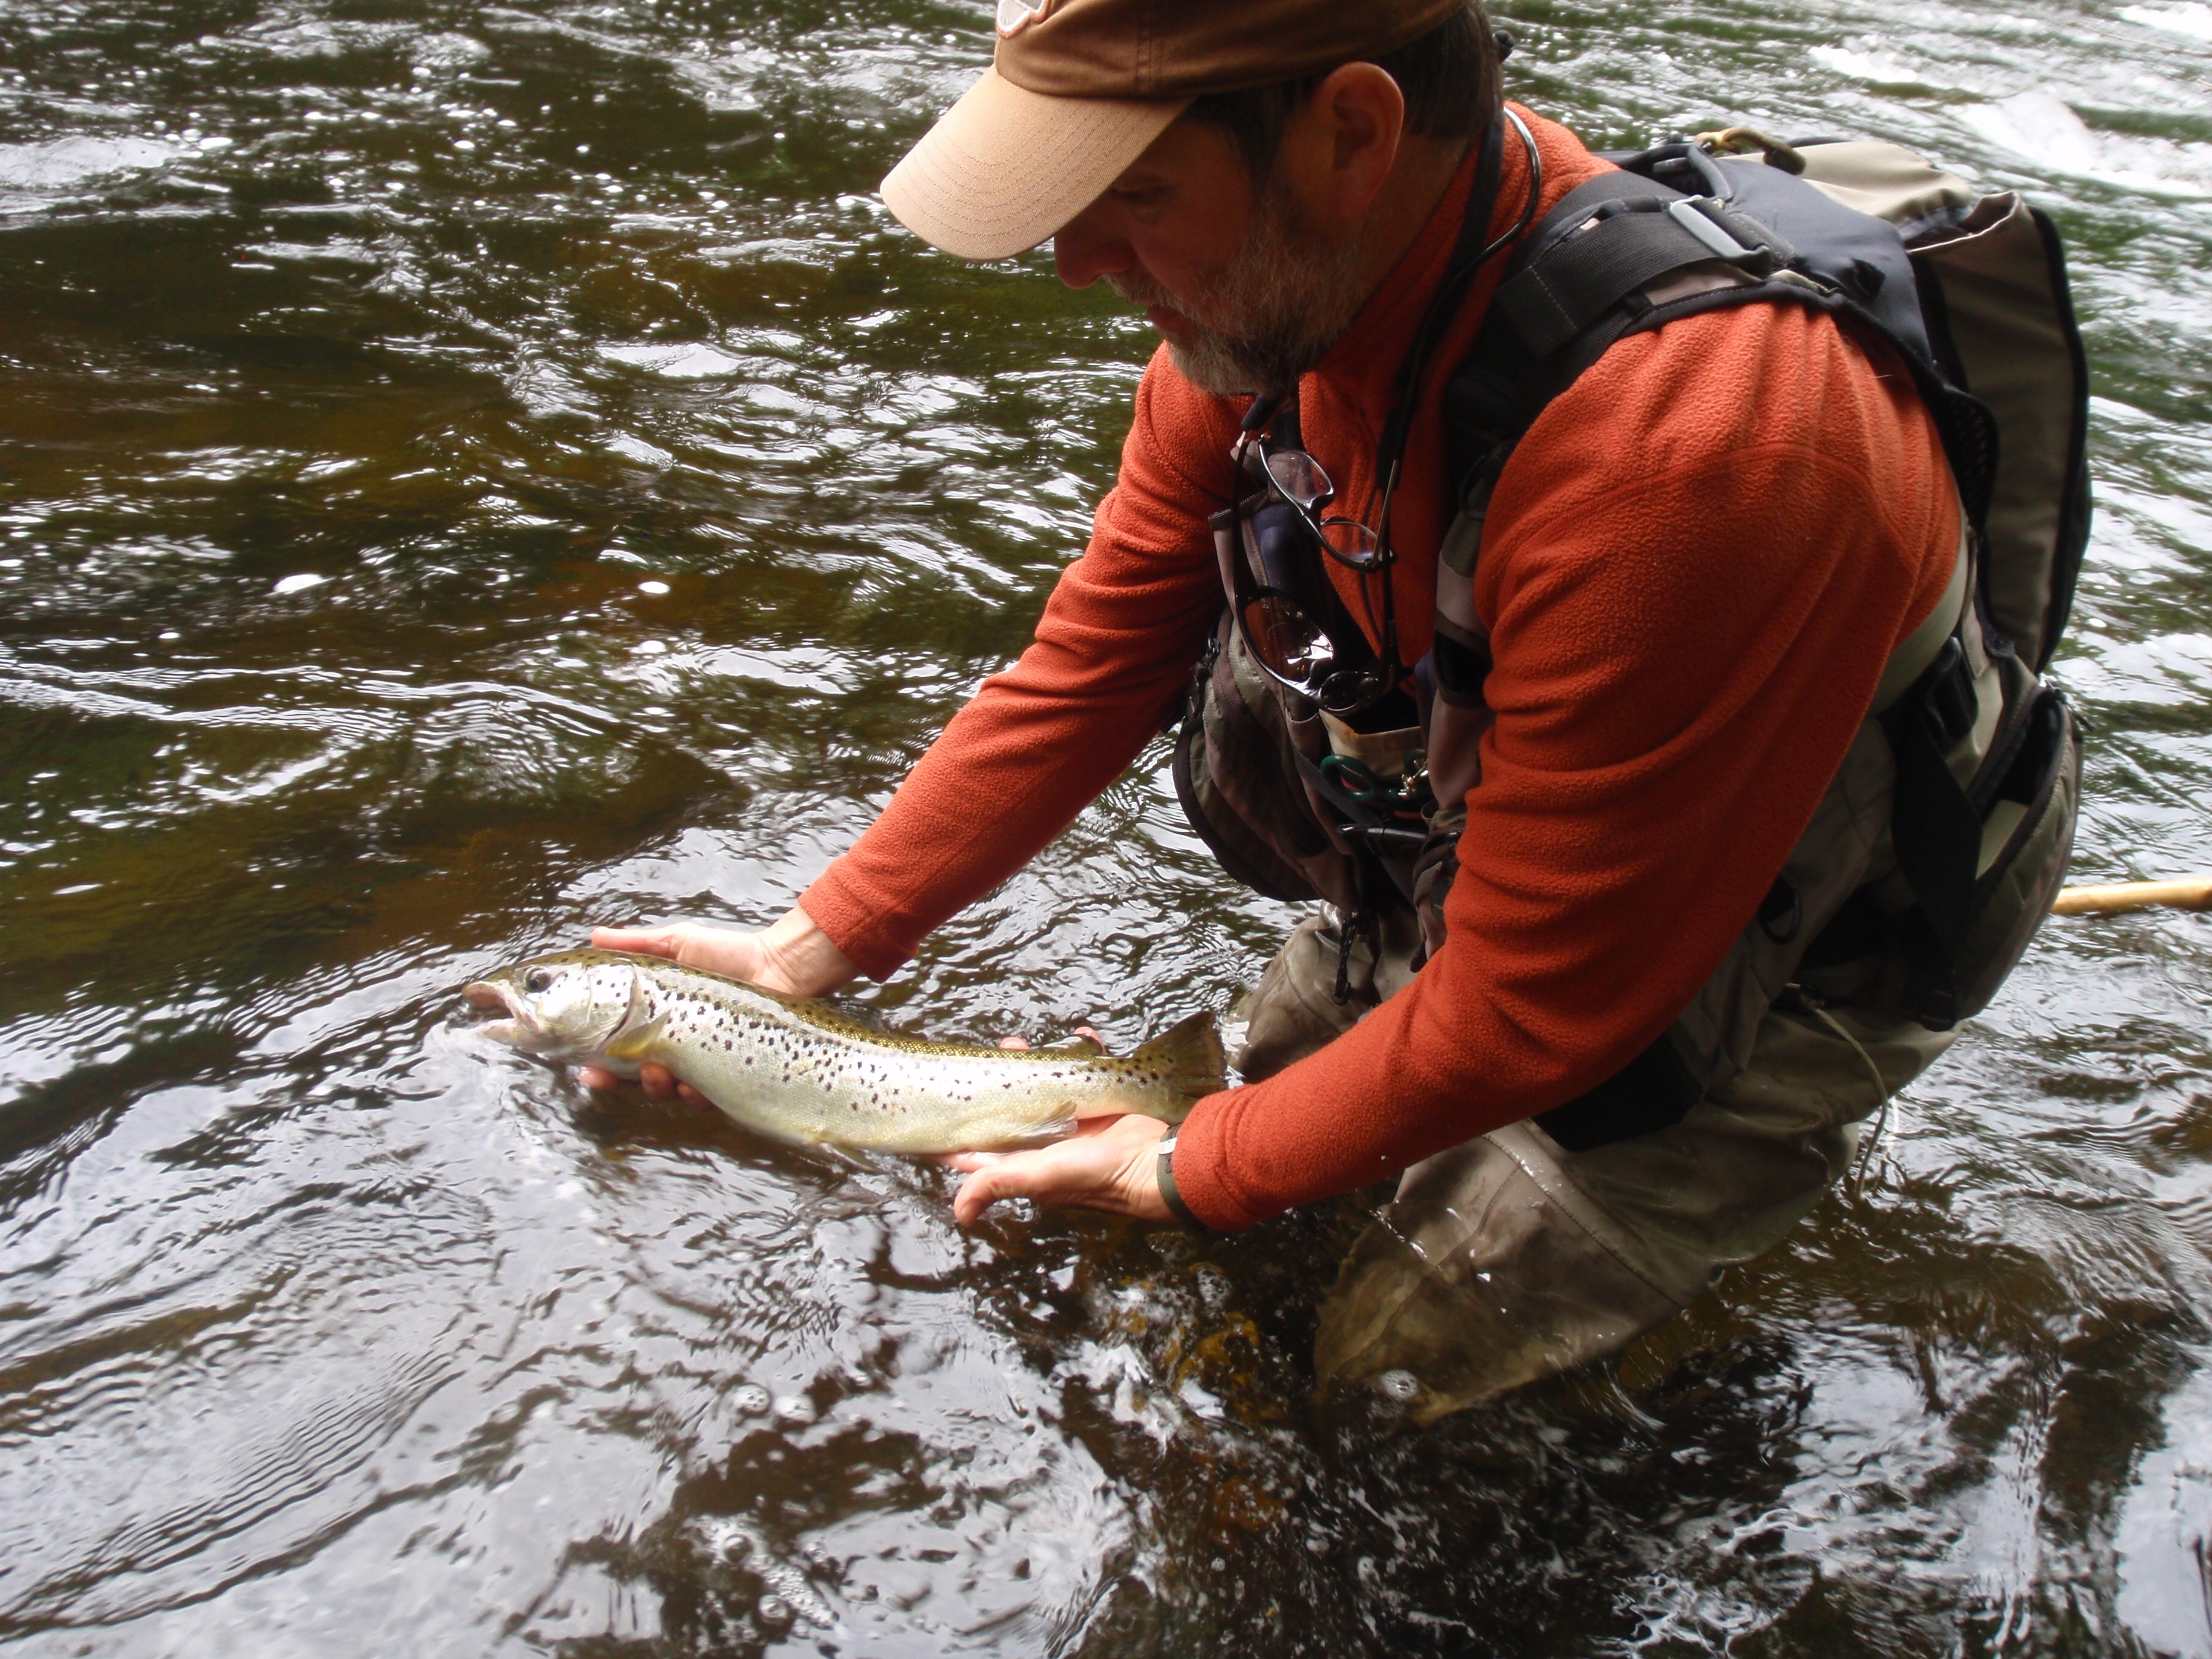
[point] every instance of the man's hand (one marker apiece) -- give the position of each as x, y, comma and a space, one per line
793, 956
1107, 1164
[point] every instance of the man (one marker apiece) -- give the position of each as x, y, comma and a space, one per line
1692, 575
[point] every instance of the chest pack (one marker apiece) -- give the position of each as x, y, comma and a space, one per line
1944, 838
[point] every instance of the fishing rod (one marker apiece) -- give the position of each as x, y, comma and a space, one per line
2194, 893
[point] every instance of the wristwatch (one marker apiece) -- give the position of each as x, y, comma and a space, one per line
1169, 1196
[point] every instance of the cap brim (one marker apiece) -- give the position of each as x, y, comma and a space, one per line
1004, 168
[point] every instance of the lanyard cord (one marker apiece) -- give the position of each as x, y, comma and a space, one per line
1469, 256
1459, 276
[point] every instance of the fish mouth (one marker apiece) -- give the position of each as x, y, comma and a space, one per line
519, 1027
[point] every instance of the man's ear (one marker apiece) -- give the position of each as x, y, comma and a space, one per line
1337, 150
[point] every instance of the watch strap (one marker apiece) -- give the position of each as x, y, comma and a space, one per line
1164, 1166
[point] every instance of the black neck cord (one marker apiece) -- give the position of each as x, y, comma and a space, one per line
1468, 257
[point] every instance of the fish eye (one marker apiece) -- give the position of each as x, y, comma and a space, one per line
538, 981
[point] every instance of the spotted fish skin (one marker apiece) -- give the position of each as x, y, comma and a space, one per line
797, 1070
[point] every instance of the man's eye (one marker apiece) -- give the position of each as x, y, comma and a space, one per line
1151, 195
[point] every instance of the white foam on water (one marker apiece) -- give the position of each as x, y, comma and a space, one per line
2192, 18
2043, 128
752, 1400
65, 163
1882, 69
298, 584
637, 449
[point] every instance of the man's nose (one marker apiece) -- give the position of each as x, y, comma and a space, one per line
1085, 250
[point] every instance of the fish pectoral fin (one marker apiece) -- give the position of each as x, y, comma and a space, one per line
1115, 1105
1188, 1054
632, 1043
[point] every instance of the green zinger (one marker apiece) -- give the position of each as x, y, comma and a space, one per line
799, 1070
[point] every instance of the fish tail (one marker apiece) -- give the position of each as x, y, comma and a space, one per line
1188, 1055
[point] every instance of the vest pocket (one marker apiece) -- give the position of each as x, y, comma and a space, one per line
1234, 765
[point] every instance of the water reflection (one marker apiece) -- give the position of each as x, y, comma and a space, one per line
474, 469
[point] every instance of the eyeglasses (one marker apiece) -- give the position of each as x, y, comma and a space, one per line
1276, 609
1300, 480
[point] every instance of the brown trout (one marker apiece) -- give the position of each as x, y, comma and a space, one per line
797, 1070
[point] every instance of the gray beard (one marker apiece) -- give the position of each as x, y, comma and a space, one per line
1272, 313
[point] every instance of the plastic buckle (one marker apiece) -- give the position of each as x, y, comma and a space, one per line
1709, 231
1711, 224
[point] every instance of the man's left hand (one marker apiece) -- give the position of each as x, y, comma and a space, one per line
1107, 1164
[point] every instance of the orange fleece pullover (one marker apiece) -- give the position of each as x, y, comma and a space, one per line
1694, 568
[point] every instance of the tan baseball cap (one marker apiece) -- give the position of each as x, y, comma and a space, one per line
1078, 88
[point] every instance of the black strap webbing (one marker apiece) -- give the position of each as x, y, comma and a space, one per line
1937, 831
1579, 279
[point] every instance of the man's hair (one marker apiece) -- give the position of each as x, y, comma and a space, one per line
1449, 77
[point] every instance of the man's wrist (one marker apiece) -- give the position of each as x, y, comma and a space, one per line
809, 959
1164, 1172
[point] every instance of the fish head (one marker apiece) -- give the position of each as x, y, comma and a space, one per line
562, 1008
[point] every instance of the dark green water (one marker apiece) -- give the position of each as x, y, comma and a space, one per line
468, 470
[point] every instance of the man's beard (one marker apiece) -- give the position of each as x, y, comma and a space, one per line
1272, 313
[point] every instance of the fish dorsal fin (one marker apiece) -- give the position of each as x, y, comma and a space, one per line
1188, 1054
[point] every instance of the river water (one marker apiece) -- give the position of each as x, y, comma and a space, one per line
471, 470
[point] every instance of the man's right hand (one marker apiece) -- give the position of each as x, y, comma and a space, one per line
793, 956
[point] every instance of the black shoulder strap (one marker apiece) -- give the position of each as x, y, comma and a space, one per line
1587, 274
1618, 242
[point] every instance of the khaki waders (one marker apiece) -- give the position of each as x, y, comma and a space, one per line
1509, 1258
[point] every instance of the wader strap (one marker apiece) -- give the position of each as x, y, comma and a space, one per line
1653, 1091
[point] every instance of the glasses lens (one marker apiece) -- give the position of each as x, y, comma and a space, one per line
1299, 476
1350, 542
1349, 692
1286, 640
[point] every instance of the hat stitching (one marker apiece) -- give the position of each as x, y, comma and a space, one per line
1152, 40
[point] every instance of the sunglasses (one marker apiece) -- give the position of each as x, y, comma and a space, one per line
1281, 597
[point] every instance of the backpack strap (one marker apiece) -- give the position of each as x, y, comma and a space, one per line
1624, 245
